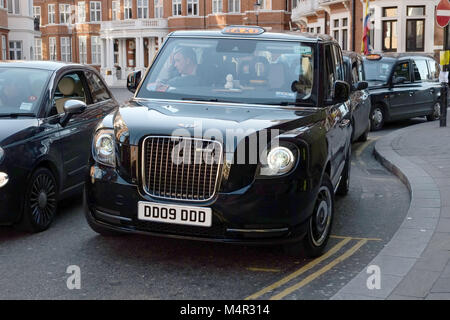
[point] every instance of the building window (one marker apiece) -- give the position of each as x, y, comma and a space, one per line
142, 10
64, 13
176, 7
336, 35
81, 16
389, 35
15, 50
82, 45
217, 6
192, 7
4, 51
96, 11
159, 9
340, 32
415, 34
96, 50
51, 13
115, 10
66, 51
318, 29
234, 6
390, 12
128, 9
37, 13
37, 49
52, 48
14, 6
414, 11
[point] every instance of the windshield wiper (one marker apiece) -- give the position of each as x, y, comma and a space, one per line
291, 103
16, 115
206, 100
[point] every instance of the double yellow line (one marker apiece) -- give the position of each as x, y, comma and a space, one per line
309, 266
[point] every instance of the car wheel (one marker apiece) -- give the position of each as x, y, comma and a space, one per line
41, 201
319, 228
365, 135
377, 118
344, 183
436, 115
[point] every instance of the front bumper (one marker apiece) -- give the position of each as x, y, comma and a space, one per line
265, 212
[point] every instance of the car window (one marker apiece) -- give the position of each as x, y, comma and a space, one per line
434, 70
402, 71
420, 69
232, 70
355, 73
69, 87
21, 89
361, 73
99, 92
377, 71
339, 63
330, 72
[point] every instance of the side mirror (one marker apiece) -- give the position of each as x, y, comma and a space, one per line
133, 81
362, 85
341, 91
399, 80
72, 107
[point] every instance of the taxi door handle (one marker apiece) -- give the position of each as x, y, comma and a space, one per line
431, 90
344, 123
411, 93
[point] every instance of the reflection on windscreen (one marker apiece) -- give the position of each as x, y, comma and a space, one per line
245, 71
21, 89
378, 70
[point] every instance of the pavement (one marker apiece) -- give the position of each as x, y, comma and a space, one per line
415, 264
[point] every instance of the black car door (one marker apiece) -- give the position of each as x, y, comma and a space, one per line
402, 91
424, 98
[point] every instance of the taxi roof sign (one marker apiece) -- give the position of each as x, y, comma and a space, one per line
243, 30
373, 56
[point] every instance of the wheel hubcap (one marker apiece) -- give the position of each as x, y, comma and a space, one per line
321, 220
43, 199
437, 110
377, 117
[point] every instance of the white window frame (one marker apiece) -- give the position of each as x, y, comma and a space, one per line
13, 6
13, 50
234, 6
82, 45
142, 9
81, 12
96, 51
217, 6
4, 48
37, 49
37, 13
52, 55
265, 4
177, 8
95, 11
51, 13
128, 9
158, 9
194, 5
66, 49
115, 10
341, 29
65, 12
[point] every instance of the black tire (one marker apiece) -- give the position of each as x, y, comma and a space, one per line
344, 184
436, 115
377, 117
365, 135
40, 202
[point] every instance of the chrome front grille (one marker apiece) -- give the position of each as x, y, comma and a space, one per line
181, 168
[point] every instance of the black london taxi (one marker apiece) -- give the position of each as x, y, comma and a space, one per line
48, 112
238, 135
402, 86
359, 95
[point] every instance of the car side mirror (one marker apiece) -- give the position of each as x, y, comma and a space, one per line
72, 107
361, 85
133, 81
341, 91
399, 80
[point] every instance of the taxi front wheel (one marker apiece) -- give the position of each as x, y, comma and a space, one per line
377, 116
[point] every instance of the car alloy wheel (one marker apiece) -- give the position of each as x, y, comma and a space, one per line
436, 112
321, 220
377, 118
41, 201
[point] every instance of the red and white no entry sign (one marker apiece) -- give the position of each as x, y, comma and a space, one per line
443, 13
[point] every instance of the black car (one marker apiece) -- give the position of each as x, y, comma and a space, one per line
227, 139
402, 86
359, 95
48, 112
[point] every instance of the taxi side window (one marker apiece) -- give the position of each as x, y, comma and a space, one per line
434, 70
402, 71
420, 69
98, 90
330, 72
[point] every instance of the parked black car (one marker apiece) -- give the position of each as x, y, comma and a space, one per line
359, 95
402, 86
48, 112
227, 139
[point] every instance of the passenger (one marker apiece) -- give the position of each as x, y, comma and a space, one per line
184, 60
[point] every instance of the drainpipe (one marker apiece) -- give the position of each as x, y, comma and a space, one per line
353, 24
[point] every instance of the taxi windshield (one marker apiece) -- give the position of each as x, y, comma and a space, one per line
378, 71
21, 90
232, 70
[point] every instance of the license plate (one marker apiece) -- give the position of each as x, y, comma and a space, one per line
194, 216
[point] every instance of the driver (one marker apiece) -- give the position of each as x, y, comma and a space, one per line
184, 60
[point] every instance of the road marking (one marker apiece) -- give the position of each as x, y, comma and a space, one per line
318, 273
300, 271
356, 238
365, 145
263, 269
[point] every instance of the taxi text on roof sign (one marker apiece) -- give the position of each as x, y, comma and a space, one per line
243, 30
373, 57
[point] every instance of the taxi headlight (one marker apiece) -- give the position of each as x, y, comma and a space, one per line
103, 148
280, 160
3, 179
